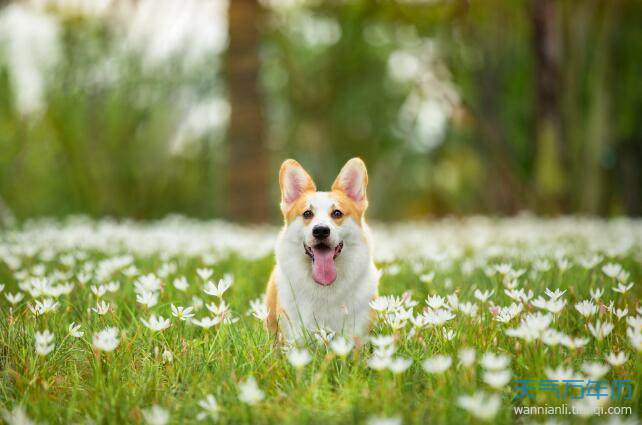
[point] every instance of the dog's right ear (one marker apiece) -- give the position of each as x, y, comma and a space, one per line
294, 182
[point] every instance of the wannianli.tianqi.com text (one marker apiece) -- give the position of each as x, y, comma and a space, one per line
565, 409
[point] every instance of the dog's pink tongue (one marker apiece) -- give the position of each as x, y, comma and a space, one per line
323, 269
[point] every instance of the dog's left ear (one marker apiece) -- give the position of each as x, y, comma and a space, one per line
353, 181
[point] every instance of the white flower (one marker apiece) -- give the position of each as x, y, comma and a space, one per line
449, 334
573, 343
612, 270
156, 323
600, 330
74, 330
204, 273
622, 288
554, 295
617, 359
506, 314
168, 356
399, 365
504, 268
147, 298
635, 321
620, 313
44, 342
101, 308
491, 361
379, 362
635, 337
555, 306
379, 420
99, 290
207, 322
180, 283
595, 370
551, 337
481, 405
218, 310
597, 293
427, 277
258, 309
563, 264
469, 309
483, 296
497, 379
106, 340
14, 298
435, 302
323, 335
113, 286
560, 373
437, 364
341, 346
45, 306
466, 357
519, 294
438, 317
453, 301
219, 289
197, 303
210, 408
379, 304
590, 262
156, 415
249, 392
539, 302
531, 326
398, 319
382, 340
586, 308
147, 283
182, 313
299, 357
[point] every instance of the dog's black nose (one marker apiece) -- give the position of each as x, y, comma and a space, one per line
320, 232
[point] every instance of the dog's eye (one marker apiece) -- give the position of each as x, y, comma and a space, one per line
337, 214
307, 214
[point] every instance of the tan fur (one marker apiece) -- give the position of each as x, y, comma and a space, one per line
347, 206
272, 303
297, 208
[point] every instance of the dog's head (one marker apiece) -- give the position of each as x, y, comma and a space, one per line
324, 223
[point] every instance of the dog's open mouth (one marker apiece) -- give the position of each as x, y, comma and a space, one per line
324, 271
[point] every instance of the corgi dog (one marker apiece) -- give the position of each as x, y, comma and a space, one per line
325, 276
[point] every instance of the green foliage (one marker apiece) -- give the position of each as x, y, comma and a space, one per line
103, 143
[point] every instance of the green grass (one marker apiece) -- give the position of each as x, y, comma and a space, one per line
75, 383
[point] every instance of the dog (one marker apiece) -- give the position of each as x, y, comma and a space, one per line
325, 276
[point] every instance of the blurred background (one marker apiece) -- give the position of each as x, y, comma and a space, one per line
141, 108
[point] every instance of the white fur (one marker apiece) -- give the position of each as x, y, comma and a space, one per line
342, 307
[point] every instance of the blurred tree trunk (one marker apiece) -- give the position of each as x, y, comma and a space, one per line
248, 160
550, 153
592, 193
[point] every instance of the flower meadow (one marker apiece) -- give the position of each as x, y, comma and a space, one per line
106, 321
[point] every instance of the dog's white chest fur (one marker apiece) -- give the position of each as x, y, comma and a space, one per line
342, 307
